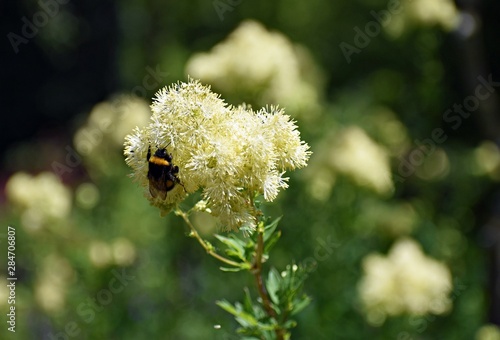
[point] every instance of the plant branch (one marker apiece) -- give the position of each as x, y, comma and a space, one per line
208, 247
257, 272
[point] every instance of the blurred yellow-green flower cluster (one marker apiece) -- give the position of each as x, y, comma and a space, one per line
260, 67
405, 281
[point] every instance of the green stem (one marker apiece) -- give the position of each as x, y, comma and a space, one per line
256, 269
257, 272
208, 248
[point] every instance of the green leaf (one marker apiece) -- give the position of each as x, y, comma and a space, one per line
270, 228
228, 307
247, 301
232, 269
290, 324
301, 304
236, 246
272, 241
273, 284
243, 318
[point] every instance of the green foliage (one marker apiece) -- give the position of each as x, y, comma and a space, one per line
284, 290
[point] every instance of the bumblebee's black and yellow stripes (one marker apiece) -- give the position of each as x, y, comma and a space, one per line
162, 174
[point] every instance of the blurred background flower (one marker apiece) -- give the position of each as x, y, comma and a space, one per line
442, 13
55, 275
488, 332
354, 154
406, 281
41, 200
260, 67
107, 125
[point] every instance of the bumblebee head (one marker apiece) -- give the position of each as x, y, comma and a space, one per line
162, 153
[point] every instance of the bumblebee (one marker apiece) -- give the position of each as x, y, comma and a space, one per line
162, 174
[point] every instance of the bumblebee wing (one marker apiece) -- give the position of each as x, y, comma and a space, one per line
158, 182
157, 188
158, 175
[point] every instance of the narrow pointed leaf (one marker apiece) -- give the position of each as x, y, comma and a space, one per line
235, 247
243, 318
228, 307
270, 228
272, 285
247, 301
272, 241
231, 269
301, 304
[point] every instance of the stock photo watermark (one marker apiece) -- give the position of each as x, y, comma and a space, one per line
372, 29
30, 28
223, 6
156, 75
94, 135
454, 117
421, 322
324, 249
87, 310
11, 278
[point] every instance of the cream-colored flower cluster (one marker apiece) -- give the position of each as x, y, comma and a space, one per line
424, 12
108, 123
486, 160
231, 153
488, 332
406, 281
356, 155
442, 12
256, 63
41, 199
120, 252
53, 280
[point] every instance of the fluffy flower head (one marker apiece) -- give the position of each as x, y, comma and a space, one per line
442, 13
358, 156
230, 153
406, 281
259, 64
41, 199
